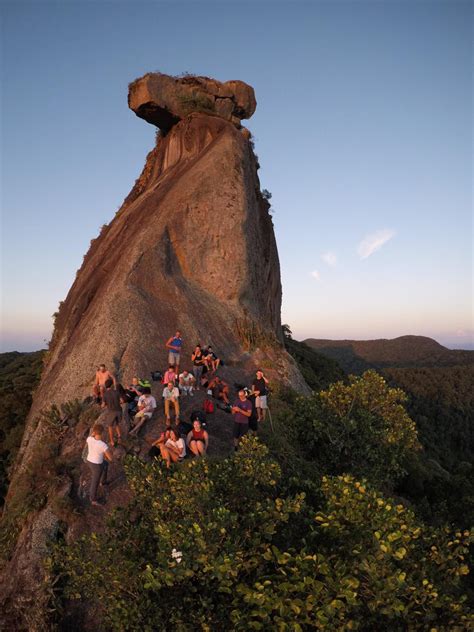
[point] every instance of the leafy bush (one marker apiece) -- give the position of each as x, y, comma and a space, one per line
360, 428
214, 545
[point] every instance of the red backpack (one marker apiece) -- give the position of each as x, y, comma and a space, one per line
208, 406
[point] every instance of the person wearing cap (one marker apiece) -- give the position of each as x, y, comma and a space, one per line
260, 390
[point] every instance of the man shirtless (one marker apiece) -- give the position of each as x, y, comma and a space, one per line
101, 377
220, 389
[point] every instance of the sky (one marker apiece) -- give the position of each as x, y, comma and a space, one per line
363, 130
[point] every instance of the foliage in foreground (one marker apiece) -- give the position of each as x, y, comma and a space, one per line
213, 544
361, 427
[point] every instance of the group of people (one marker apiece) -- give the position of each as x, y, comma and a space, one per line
138, 404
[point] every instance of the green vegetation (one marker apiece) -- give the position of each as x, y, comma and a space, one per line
19, 376
197, 102
318, 371
292, 535
192, 552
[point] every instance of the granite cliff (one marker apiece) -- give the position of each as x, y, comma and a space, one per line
192, 248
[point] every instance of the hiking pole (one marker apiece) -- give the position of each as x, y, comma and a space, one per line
271, 420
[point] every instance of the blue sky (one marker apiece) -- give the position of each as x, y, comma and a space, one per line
363, 129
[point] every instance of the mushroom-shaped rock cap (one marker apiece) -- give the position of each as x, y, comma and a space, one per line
163, 100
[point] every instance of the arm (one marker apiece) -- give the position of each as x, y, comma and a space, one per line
170, 346
188, 437
108, 455
206, 439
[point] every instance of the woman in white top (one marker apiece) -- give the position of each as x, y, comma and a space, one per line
174, 449
98, 453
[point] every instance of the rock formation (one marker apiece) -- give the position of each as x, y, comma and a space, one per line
192, 248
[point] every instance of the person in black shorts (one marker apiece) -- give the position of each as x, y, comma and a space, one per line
242, 409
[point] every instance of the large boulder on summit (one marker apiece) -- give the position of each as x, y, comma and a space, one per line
163, 100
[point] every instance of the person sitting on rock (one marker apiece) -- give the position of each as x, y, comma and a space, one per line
113, 411
198, 439
175, 345
171, 396
101, 376
197, 358
260, 389
186, 383
162, 439
220, 389
242, 409
146, 406
174, 448
98, 453
212, 361
135, 387
170, 375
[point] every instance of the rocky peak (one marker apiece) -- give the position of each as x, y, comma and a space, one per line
163, 100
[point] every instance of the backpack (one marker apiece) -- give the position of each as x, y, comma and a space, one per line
199, 415
208, 406
157, 376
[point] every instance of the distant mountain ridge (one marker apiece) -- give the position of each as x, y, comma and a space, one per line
402, 352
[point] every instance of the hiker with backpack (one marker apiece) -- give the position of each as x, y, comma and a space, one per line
98, 455
174, 344
260, 390
197, 358
171, 396
220, 389
198, 439
241, 409
146, 407
112, 415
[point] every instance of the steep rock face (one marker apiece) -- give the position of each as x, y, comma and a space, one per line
192, 248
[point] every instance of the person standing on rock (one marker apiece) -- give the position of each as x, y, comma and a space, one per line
197, 358
175, 345
101, 376
260, 389
98, 453
242, 409
113, 411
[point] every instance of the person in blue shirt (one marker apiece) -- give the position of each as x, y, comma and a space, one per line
174, 346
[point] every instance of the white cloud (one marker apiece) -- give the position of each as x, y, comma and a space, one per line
315, 274
329, 258
375, 241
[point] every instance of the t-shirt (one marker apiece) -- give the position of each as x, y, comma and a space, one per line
186, 379
112, 399
167, 394
95, 450
179, 445
240, 418
261, 386
176, 342
148, 401
170, 376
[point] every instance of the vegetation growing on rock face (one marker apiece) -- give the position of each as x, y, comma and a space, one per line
217, 545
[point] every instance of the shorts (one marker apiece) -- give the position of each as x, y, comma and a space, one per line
261, 401
141, 414
111, 418
240, 430
173, 358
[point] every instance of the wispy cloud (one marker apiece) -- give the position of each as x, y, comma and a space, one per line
375, 241
315, 274
330, 258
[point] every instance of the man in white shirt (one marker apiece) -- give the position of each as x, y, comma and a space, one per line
171, 395
98, 453
146, 406
186, 383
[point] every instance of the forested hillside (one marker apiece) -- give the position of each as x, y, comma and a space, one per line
19, 375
